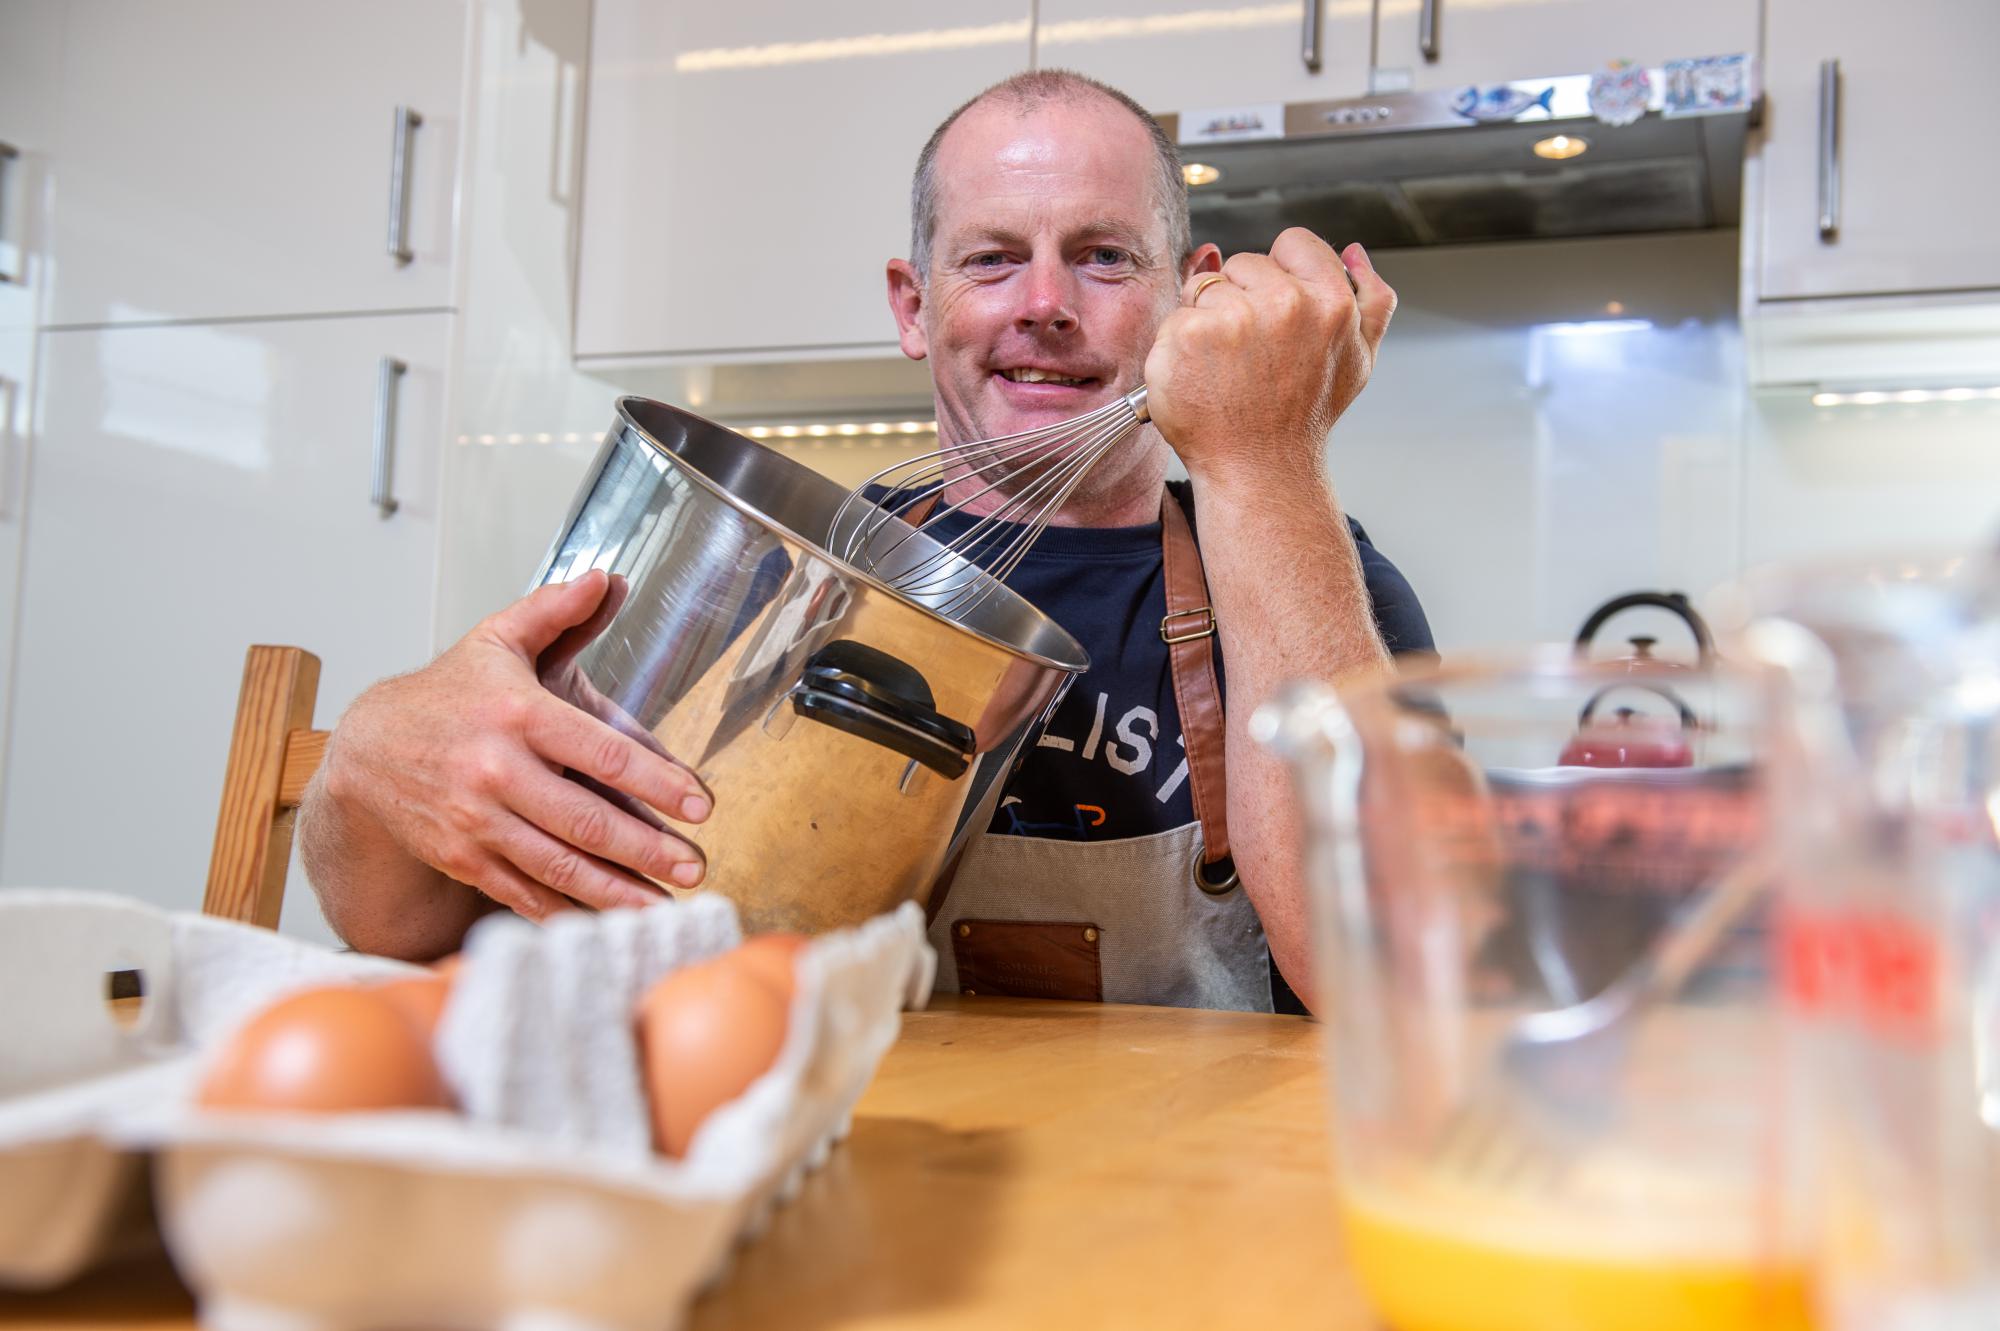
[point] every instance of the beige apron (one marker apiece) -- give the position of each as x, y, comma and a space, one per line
1154, 919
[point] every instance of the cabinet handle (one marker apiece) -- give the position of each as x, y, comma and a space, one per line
1309, 45
8, 152
387, 376
8, 388
1829, 150
1427, 30
407, 123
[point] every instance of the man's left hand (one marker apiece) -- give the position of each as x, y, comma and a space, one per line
1246, 379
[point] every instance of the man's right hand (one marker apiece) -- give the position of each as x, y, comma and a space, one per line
461, 764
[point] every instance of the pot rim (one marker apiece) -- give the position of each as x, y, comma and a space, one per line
630, 425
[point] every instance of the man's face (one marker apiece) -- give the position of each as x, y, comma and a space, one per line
1049, 268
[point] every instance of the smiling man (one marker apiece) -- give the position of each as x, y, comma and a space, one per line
1050, 273
1146, 850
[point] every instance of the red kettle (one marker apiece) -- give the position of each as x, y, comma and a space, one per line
1632, 738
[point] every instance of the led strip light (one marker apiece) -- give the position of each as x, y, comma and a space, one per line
1878, 397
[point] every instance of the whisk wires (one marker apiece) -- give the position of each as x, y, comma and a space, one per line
1033, 473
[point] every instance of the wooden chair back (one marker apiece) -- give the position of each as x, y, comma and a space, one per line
272, 755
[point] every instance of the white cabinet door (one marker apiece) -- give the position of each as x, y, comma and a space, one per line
30, 58
747, 168
198, 489
1189, 55
1479, 41
234, 157
1919, 174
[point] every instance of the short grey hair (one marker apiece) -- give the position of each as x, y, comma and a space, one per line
1025, 92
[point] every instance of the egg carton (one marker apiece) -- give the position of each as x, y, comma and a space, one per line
74, 1073
541, 1206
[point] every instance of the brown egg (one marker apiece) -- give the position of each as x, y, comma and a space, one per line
324, 1051
772, 958
705, 1033
421, 997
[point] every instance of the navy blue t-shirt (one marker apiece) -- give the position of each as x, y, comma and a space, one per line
1111, 762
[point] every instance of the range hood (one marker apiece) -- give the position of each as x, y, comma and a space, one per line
1440, 168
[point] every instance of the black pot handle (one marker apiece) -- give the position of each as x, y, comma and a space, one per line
1677, 602
1688, 720
870, 694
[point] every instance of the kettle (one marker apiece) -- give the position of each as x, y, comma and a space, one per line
1631, 738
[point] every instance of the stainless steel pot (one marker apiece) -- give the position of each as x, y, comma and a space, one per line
852, 737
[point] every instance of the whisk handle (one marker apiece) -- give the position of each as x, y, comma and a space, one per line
1136, 399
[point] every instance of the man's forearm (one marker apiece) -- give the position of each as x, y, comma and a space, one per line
1290, 603
377, 897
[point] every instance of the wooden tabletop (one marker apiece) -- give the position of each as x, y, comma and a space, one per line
1016, 1164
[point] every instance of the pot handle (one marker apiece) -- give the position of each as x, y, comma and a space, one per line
1688, 720
870, 694
1677, 602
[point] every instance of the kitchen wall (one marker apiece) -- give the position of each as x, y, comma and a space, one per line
1549, 425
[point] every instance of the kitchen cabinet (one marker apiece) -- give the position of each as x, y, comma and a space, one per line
30, 54
1184, 55
197, 489
1479, 41
1917, 190
233, 158
747, 168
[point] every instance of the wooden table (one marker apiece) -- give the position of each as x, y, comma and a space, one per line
1019, 1164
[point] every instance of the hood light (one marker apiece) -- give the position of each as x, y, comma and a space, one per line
844, 429
1561, 147
1876, 397
1200, 173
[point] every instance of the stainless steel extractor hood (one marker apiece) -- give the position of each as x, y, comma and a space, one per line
1440, 168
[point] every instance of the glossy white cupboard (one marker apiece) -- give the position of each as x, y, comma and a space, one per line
231, 158
1915, 174
197, 489
1182, 55
30, 56
747, 167
1485, 41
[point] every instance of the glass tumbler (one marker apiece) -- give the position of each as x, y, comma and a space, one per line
1544, 970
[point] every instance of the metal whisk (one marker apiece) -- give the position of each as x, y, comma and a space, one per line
1032, 472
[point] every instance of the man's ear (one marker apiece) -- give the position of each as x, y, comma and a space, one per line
1206, 259
906, 302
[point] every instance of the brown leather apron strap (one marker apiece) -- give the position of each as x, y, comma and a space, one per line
1189, 632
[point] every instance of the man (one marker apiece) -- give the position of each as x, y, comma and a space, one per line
1050, 273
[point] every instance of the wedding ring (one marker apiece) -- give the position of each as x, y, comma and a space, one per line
1207, 280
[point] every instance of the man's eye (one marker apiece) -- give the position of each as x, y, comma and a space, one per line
1107, 256
988, 260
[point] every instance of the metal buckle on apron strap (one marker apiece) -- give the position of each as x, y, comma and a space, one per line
1206, 630
1216, 887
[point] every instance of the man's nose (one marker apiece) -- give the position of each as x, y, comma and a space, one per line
1048, 302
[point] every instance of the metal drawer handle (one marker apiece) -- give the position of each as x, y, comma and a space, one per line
8, 154
406, 125
1427, 31
388, 374
9, 388
1829, 150
1310, 44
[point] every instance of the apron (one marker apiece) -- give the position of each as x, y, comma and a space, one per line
1155, 919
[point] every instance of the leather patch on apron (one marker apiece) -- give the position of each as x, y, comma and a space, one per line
1028, 959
